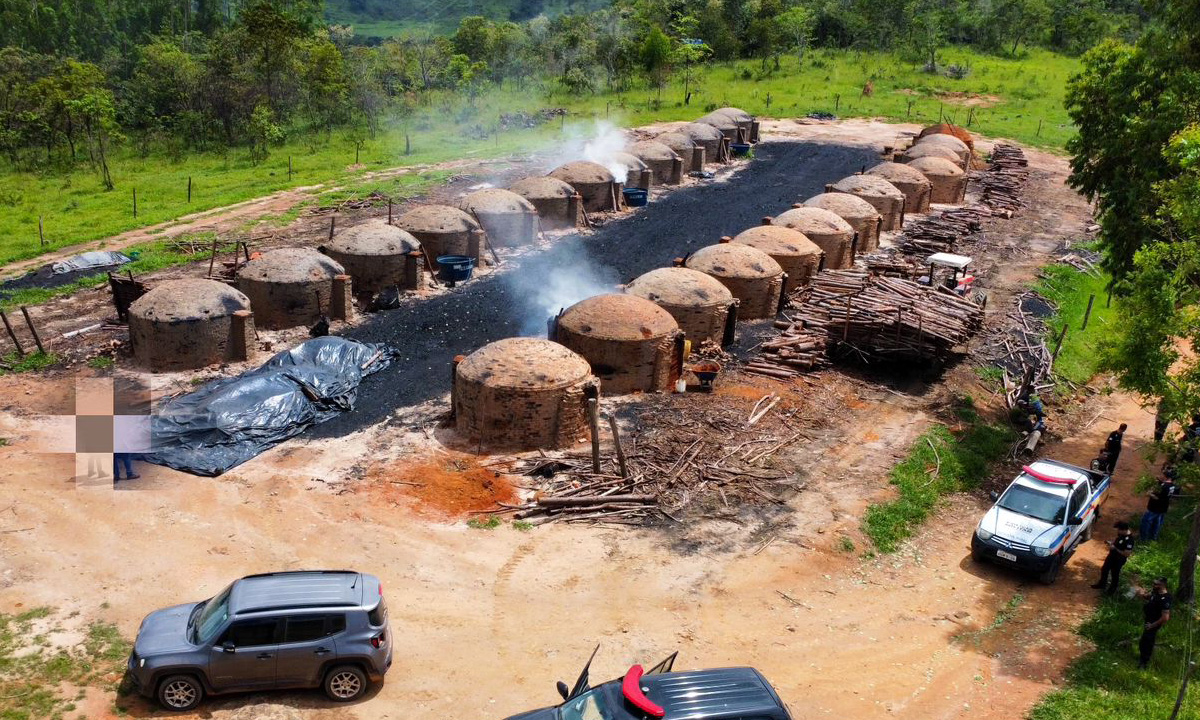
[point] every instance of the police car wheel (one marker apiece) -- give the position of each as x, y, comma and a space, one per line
1050, 574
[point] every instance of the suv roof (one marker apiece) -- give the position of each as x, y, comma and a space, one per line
296, 590
718, 693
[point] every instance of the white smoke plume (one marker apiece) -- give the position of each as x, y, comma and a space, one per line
598, 143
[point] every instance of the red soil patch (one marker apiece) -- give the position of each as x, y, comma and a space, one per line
450, 486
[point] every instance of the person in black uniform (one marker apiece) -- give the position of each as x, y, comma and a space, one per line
1112, 447
1156, 612
1119, 551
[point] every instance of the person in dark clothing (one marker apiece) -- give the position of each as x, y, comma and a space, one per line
1156, 508
125, 459
1112, 448
1156, 612
1119, 551
1162, 420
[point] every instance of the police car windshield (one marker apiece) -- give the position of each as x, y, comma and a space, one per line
1035, 504
588, 706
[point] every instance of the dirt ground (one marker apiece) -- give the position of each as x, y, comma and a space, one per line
484, 621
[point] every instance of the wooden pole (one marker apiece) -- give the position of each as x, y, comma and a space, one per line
616, 433
135, 202
407, 145
1039, 130
594, 420
37, 339
289, 168
1187, 675
389, 211
332, 221
189, 188
212, 260
837, 101
1088, 313
12, 335
1058, 344
41, 231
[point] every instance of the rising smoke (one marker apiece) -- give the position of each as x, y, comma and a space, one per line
566, 273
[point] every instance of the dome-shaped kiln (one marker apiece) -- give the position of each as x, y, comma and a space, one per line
632, 344
699, 303
885, 197
594, 183
508, 219
443, 230
294, 286
190, 323
523, 392
377, 255
799, 257
558, 205
753, 277
826, 230
911, 182
861, 215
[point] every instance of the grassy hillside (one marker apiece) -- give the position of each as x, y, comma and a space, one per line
387, 18
1015, 99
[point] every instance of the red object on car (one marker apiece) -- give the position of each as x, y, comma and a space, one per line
632, 690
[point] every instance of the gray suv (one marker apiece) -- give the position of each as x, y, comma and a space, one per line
305, 629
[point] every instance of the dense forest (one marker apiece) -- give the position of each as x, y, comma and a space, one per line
78, 76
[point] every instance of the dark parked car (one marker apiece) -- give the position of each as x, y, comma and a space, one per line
305, 629
738, 693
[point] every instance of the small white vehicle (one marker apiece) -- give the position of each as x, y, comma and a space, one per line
1043, 516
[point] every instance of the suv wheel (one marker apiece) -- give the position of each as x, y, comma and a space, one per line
180, 692
345, 683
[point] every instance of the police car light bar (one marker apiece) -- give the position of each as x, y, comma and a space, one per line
631, 688
1047, 478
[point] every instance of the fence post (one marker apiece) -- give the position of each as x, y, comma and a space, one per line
41, 232
37, 339
189, 188
1087, 314
135, 202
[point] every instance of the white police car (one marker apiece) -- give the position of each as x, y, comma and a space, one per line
1043, 516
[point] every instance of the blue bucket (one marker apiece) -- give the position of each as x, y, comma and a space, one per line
740, 149
455, 268
636, 197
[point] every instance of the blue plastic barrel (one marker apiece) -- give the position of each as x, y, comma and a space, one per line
636, 197
455, 268
740, 149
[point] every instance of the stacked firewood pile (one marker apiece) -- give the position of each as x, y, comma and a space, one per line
894, 265
796, 349
940, 232
681, 458
1004, 179
886, 318
1019, 348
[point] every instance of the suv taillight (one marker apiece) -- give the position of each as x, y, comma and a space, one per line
379, 640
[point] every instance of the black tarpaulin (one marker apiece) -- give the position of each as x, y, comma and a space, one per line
230, 421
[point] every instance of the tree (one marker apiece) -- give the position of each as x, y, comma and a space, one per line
263, 132
656, 56
1156, 351
1128, 102
796, 25
1018, 20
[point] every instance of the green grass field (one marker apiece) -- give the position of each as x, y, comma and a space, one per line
1069, 289
75, 208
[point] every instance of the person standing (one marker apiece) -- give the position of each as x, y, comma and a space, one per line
1119, 551
1156, 508
1156, 612
1112, 447
125, 459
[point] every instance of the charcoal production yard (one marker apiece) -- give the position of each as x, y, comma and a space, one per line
751, 552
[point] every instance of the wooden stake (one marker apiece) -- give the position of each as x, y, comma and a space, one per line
189, 188
332, 221
212, 260
12, 335
1087, 314
37, 339
1187, 675
135, 202
289, 168
1058, 344
389, 211
407, 145
594, 420
837, 101
616, 433
1039, 130
41, 232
